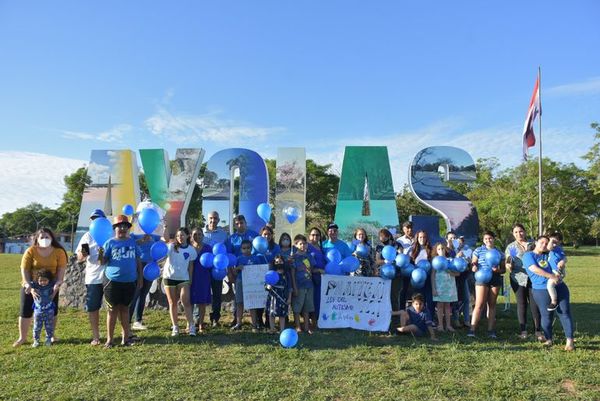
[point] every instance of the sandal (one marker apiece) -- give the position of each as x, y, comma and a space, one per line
95, 342
108, 345
18, 343
523, 335
128, 343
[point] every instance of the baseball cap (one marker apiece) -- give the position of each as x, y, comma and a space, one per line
332, 225
97, 213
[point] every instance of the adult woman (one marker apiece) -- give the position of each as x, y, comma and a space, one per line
315, 238
366, 260
45, 253
123, 274
539, 271
200, 289
421, 250
486, 293
178, 270
386, 238
519, 280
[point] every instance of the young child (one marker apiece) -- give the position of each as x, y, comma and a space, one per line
302, 301
443, 285
43, 307
416, 319
557, 260
235, 276
279, 297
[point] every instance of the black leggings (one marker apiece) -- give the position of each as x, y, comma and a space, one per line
524, 297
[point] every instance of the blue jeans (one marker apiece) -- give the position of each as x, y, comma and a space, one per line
542, 299
464, 301
139, 301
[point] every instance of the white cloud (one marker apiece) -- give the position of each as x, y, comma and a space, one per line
114, 134
183, 128
33, 177
588, 87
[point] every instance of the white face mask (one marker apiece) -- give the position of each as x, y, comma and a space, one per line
44, 242
285, 242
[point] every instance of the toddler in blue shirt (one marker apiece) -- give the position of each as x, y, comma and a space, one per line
557, 260
43, 307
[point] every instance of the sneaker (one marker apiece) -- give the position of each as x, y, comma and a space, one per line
175, 331
471, 333
138, 326
552, 307
192, 331
35, 344
492, 334
48, 342
215, 323
236, 327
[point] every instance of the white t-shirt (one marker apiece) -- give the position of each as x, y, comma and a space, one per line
406, 243
93, 270
178, 262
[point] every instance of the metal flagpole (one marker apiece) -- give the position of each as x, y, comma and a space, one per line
540, 215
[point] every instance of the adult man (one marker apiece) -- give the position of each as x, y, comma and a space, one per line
333, 242
241, 233
214, 234
87, 250
407, 239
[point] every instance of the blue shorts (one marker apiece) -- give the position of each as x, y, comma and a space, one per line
93, 297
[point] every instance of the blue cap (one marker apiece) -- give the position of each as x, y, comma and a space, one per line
97, 213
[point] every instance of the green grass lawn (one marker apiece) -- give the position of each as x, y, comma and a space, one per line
329, 365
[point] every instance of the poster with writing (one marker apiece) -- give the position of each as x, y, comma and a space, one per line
361, 303
253, 278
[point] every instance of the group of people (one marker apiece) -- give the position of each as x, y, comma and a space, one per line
114, 272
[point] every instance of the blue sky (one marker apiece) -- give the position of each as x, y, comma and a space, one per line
77, 76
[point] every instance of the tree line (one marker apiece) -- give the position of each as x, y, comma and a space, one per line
571, 197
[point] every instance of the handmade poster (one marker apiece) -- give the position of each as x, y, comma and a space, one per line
361, 303
253, 277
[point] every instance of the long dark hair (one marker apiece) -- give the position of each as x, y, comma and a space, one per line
286, 235
417, 247
183, 230
270, 230
53, 244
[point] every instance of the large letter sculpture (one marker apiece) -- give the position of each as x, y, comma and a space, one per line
171, 186
290, 189
218, 191
366, 196
114, 184
430, 171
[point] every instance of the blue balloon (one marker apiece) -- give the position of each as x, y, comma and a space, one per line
362, 250
333, 268
334, 256
158, 250
388, 271
460, 264
219, 274
264, 212
288, 338
221, 261
148, 220
389, 253
272, 277
425, 265
493, 257
101, 230
439, 263
232, 260
128, 210
219, 248
417, 284
483, 276
206, 260
260, 244
402, 260
292, 214
407, 270
151, 271
350, 264
418, 275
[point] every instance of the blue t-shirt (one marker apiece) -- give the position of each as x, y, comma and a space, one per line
44, 302
540, 260
302, 267
271, 253
555, 256
121, 259
480, 253
215, 236
234, 242
145, 255
341, 246
420, 319
243, 260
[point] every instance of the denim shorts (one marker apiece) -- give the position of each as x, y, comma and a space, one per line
93, 297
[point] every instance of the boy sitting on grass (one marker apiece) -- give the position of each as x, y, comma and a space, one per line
416, 320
